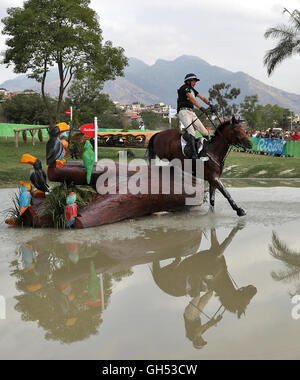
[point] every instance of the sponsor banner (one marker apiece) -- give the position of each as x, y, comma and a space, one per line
268, 146
292, 148
285, 148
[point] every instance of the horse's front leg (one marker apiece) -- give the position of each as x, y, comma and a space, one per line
212, 192
218, 184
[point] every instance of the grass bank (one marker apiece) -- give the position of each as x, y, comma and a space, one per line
244, 165
238, 165
11, 171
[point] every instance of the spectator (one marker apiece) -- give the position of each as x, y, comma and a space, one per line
296, 136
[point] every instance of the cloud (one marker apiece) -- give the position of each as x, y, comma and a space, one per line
177, 27
226, 33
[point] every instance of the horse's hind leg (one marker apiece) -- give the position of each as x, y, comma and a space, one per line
222, 189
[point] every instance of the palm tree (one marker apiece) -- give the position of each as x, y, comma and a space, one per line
280, 251
289, 41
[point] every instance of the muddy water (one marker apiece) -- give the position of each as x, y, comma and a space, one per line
176, 286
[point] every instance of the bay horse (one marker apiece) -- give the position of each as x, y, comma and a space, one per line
205, 270
167, 145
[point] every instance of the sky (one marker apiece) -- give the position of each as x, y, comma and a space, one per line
224, 33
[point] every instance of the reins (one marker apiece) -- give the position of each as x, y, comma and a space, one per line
207, 316
235, 285
221, 164
230, 145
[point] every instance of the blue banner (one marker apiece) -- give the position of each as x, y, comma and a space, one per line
270, 146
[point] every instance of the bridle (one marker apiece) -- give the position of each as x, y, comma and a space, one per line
233, 133
238, 144
229, 144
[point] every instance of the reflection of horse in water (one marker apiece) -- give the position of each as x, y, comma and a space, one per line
205, 271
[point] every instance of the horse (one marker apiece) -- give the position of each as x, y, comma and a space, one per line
205, 270
167, 145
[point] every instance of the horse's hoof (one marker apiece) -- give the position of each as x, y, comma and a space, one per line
212, 209
241, 212
241, 224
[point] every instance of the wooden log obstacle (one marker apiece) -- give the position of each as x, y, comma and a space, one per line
118, 205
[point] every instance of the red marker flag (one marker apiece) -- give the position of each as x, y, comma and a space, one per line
88, 129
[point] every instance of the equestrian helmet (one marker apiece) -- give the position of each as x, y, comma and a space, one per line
191, 76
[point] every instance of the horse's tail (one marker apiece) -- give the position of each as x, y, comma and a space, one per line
150, 149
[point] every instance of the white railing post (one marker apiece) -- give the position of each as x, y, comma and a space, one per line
96, 138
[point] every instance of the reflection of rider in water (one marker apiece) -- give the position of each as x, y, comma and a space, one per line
193, 324
205, 271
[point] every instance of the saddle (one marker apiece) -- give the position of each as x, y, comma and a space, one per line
188, 150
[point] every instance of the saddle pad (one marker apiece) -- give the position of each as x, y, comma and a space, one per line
201, 145
183, 145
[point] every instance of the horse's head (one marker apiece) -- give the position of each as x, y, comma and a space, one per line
243, 298
236, 300
236, 135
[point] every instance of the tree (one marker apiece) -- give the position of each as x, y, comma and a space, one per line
154, 120
248, 108
29, 109
221, 93
65, 33
290, 258
288, 44
261, 117
87, 100
280, 116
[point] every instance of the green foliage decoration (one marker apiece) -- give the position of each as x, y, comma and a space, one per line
55, 202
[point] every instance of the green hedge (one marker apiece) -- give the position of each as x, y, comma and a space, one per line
8, 129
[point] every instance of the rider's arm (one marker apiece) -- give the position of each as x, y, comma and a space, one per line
203, 98
192, 99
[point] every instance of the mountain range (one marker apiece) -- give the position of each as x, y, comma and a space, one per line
149, 84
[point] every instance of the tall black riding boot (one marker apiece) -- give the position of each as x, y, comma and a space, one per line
191, 146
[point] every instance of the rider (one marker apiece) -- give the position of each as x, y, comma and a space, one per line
185, 103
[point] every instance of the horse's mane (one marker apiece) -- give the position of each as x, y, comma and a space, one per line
220, 128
